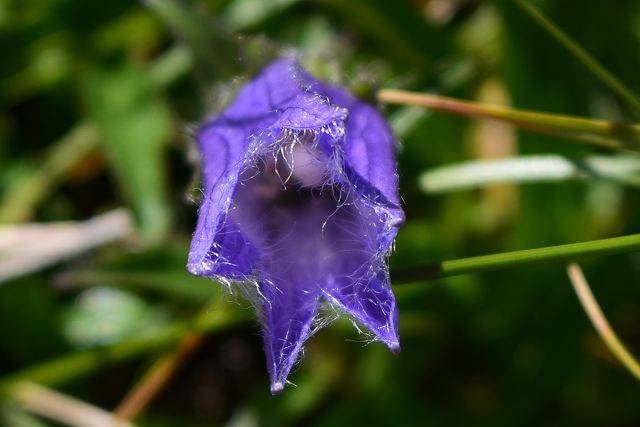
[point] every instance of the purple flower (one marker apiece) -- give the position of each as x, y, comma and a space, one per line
301, 202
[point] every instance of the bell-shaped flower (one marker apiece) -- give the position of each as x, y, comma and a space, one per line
300, 200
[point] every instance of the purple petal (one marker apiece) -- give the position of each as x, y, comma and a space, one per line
369, 148
371, 302
370, 151
223, 149
357, 279
280, 98
231, 255
288, 315
369, 144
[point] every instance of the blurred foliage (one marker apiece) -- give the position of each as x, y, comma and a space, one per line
504, 348
133, 126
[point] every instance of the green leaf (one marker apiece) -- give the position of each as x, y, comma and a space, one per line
104, 315
135, 126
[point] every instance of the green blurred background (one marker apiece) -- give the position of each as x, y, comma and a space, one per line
97, 102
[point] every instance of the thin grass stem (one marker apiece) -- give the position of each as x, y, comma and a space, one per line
599, 321
583, 56
155, 379
602, 133
527, 257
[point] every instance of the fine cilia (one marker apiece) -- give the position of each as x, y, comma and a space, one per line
301, 201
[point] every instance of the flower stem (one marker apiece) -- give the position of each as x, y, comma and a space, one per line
582, 55
570, 252
599, 321
612, 135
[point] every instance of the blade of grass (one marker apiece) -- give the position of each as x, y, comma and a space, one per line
599, 321
60, 407
22, 198
527, 169
569, 252
582, 55
30, 247
75, 365
167, 68
171, 282
13, 416
214, 47
155, 379
372, 21
602, 133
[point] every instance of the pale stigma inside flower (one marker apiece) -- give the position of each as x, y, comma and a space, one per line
306, 164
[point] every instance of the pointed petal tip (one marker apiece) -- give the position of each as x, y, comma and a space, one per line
394, 347
277, 387
194, 268
392, 341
